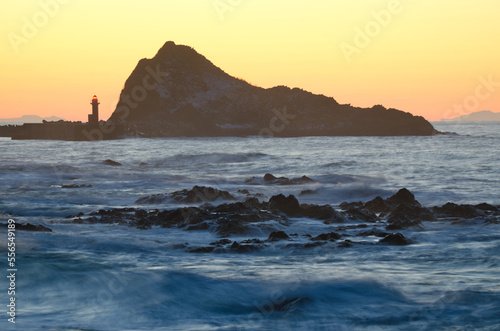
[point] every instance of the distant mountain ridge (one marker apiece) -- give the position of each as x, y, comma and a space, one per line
479, 116
29, 119
181, 93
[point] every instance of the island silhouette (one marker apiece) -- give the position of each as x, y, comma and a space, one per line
179, 92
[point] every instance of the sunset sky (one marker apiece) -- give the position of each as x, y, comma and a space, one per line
431, 58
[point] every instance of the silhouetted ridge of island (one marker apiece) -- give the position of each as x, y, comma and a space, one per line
181, 93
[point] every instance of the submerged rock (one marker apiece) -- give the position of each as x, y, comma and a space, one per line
463, 211
198, 194
75, 186
277, 236
31, 227
112, 163
327, 236
402, 197
238, 248
406, 215
273, 180
227, 227
376, 205
361, 214
324, 212
221, 242
201, 194
395, 239
288, 205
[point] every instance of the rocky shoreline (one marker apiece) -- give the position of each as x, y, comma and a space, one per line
253, 224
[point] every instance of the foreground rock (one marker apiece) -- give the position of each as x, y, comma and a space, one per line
31, 227
395, 239
270, 179
112, 163
198, 194
372, 221
196, 98
400, 211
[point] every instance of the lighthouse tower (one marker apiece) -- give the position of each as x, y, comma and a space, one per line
94, 117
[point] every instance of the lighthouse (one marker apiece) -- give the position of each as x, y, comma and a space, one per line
94, 117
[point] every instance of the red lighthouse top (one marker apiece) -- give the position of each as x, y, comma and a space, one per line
95, 97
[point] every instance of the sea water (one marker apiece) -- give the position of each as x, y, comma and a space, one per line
115, 277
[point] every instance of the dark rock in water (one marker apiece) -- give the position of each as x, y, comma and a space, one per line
112, 163
351, 205
255, 203
246, 192
314, 244
405, 216
301, 180
111, 216
401, 224
395, 239
252, 241
327, 236
179, 217
486, 207
227, 227
225, 219
238, 248
221, 242
290, 305
288, 205
207, 249
373, 232
199, 194
307, 192
345, 244
31, 227
75, 186
269, 177
463, 211
364, 215
277, 236
198, 227
377, 205
236, 208
325, 212
402, 197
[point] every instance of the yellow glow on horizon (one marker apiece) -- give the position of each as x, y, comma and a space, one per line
427, 58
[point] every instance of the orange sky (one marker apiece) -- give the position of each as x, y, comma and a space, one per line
431, 58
